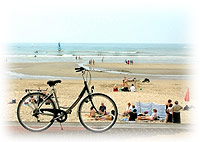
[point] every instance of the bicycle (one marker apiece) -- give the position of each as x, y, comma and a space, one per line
38, 110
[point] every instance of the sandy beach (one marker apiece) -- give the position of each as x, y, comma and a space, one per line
158, 90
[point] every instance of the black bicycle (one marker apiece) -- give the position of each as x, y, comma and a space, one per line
38, 110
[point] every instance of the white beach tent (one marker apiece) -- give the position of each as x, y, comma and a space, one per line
142, 107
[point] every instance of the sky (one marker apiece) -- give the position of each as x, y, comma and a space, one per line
93, 21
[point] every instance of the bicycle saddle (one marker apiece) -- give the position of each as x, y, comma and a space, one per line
53, 83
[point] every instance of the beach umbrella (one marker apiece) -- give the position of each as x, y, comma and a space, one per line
187, 96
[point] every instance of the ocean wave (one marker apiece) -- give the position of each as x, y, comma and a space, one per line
94, 51
94, 56
42, 56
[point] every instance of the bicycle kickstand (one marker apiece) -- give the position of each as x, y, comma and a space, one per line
61, 126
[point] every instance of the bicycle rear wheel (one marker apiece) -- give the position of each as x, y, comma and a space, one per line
31, 117
98, 112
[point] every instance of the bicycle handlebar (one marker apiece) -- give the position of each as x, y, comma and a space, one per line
79, 69
85, 76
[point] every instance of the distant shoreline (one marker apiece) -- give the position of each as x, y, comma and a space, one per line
111, 52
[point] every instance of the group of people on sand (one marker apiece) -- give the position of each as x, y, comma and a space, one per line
173, 112
77, 57
125, 86
91, 62
131, 112
103, 113
128, 62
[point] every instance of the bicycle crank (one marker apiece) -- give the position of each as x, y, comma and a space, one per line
59, 115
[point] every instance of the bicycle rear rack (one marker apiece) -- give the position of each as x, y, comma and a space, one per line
35, 90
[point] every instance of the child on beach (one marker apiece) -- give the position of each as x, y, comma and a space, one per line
132, 88
115, 88
152, 117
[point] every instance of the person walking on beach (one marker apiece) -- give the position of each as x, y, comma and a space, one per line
102, 59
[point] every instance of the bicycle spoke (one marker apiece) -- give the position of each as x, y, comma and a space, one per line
30, 116
98, 115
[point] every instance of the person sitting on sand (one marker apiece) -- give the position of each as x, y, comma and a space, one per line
92, 112
133, 108
132, 115
132, 88
125, 84
109, 116
152, 117
128, 109
102, 109
115, 88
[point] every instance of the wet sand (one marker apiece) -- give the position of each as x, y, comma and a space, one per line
66, 69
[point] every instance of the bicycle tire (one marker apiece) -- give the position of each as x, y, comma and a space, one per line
26, 116
97, 123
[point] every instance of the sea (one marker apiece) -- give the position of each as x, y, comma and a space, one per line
110, 52
82, 53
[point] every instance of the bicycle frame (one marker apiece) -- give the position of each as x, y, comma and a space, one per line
85, 88
77, 100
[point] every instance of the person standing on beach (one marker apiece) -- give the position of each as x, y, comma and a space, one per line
176, 112
102, 59
134, 81
125, 82
168, 114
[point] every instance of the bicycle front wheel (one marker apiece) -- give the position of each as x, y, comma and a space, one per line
33, 114
98, 112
